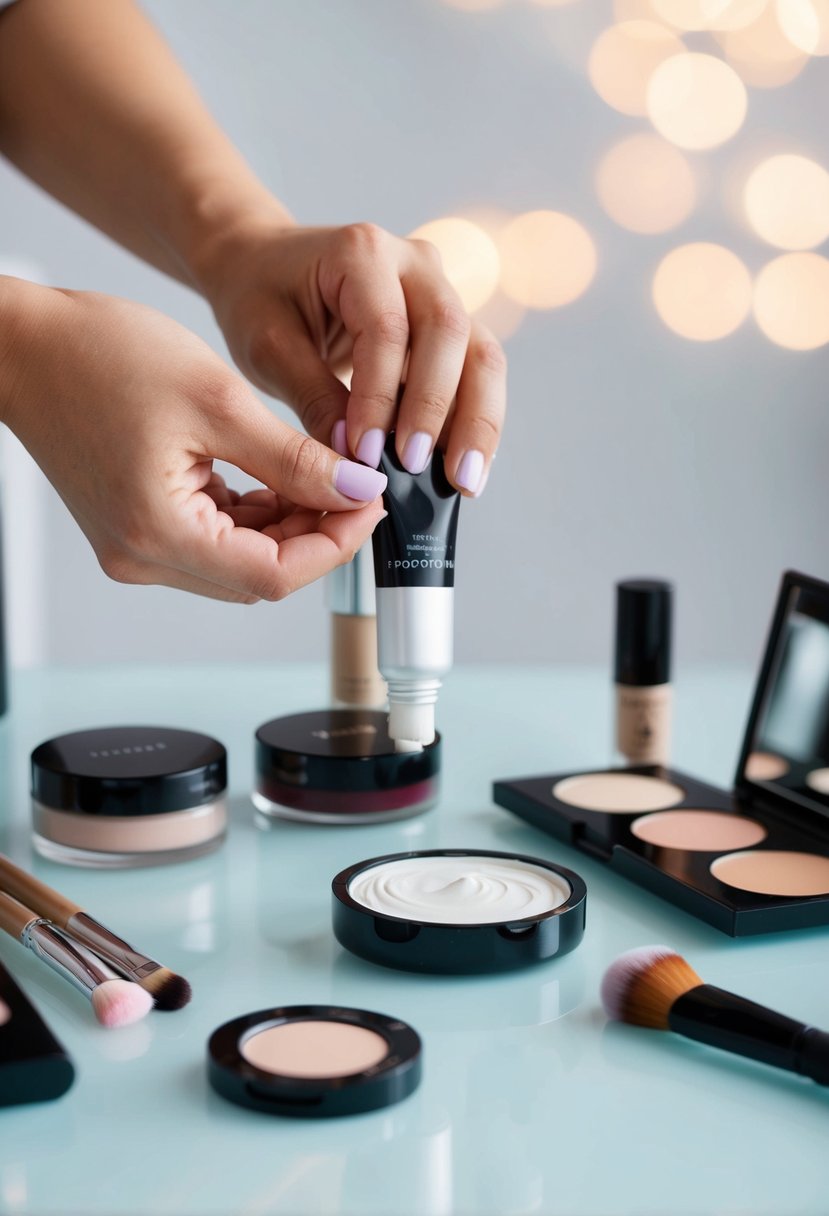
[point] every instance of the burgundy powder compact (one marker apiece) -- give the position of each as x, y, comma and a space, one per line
340, 766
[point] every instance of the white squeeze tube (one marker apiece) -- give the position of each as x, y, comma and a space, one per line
414, 569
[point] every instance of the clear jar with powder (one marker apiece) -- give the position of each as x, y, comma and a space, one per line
123, 796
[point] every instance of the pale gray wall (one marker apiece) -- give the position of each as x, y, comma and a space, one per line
628, 450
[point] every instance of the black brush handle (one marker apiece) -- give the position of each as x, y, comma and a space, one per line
721, 1019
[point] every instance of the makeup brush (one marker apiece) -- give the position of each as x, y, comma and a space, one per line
653, 986
115, 1002
168, 990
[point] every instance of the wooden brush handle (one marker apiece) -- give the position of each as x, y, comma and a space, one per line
14, 917
34, 894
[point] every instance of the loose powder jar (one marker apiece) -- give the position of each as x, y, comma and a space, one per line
340, 766
314, 1061
123, 796
458, 911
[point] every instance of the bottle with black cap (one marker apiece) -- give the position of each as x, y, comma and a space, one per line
643, 670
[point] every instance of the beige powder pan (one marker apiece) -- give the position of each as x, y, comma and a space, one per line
699, 831
314, 1061
315, 1049
618, 793
774, 872
766, 766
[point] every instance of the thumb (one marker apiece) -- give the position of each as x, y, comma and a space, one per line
291, 464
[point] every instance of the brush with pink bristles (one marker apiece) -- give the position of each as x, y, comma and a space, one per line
653, 986
115, 1002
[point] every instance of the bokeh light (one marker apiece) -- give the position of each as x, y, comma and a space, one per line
696, 101
500, 314
470, 257
787, 202
791, 301
762, 53
474, 6
645, 184
708, 14
702, 291
633, 10
623, 59
547, 259
806, 24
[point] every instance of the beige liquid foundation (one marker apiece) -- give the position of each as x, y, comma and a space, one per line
355, 677
642, 670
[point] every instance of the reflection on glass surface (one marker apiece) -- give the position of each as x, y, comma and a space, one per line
791, 742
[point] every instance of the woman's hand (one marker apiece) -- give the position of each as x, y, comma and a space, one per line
298, 304
125, 411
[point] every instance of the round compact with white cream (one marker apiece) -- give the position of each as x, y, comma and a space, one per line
458, 911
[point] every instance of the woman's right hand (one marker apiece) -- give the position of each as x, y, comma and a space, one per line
125, 411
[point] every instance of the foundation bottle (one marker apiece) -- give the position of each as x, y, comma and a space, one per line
355, 678
642, 671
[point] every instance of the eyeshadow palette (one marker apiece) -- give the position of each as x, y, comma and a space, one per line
752, 860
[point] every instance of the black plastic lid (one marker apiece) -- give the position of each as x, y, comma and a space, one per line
234, 1077
34, 1067
340, 749
128, 770
643, 631
457, 949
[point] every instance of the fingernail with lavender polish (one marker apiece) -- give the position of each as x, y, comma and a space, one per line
370, 447
470, 471
416, 453
359, 482
338, 438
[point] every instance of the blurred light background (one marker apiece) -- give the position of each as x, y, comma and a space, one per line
634, 196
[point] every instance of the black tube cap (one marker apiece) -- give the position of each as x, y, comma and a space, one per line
643, 631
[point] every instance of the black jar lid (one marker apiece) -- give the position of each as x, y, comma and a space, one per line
128, 770
388, 1080
457, 949
341, 750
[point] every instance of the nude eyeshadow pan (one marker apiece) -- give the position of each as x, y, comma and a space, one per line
617, 793
698, 831
774, 872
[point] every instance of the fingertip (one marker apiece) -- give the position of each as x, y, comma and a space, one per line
339, 439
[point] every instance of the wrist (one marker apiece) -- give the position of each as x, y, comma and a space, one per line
26, 310
219, 224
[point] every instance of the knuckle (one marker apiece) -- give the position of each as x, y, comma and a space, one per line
316, 409
488, 355
228, 397
391, 327
301, 459
486, 433
428, 253
364, 238
452, 320
378, 401
431, 410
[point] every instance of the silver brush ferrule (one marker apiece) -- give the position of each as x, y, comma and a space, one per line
117, 953
63, 955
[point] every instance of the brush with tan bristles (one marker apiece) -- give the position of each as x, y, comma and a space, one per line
115, 1002
168, 990
653, 986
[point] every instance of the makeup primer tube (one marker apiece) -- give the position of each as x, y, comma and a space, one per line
355, 679
414, 566
643, 670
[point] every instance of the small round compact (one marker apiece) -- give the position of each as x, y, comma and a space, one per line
121, 796
340, 766
458, 911
314, 1061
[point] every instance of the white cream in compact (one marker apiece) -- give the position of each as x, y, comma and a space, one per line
463, 890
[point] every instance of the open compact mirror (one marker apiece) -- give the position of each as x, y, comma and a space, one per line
786, 751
